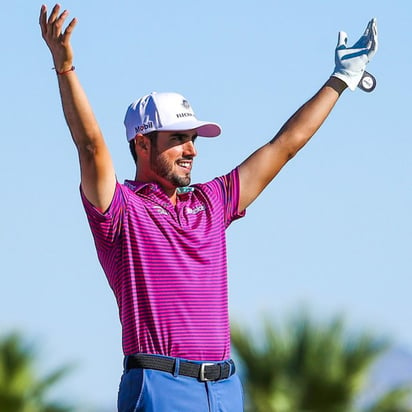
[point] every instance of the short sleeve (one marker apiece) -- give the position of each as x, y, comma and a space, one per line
226, 189
106, 226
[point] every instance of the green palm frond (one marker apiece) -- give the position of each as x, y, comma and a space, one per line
306, 366
21, 389
396, 400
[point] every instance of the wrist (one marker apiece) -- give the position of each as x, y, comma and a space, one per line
64, 71
351, 78
62, 64
337, 84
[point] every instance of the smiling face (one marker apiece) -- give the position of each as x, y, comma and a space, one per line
170, 159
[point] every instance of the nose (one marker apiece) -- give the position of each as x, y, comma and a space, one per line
189, 149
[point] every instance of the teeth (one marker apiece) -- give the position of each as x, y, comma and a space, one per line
184, 164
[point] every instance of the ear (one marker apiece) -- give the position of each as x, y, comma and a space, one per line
142, 144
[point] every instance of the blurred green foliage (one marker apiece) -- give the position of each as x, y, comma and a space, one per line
21, 389
309, 366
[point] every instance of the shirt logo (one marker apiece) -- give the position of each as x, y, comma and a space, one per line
196, 210
160, 210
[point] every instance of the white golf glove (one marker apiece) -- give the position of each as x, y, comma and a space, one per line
350, 62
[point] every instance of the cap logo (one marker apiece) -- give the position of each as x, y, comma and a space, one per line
185, 114
185, 104
143, 127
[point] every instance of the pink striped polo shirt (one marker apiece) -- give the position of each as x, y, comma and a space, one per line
167, 265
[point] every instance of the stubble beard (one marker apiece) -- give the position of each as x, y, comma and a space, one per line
163, 168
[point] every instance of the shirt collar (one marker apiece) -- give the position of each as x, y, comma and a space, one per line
137, 186
150, 187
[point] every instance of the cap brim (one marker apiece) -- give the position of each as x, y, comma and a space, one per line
204, 129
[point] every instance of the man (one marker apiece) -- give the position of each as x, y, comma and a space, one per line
161, 242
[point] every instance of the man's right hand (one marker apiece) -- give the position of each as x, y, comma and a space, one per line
57, 39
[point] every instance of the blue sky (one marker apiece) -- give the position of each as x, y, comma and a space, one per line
333, 231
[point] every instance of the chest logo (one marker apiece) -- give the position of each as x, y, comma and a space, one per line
160, 210
195, 210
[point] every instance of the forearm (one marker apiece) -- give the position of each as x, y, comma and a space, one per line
263, 165
78, 113
304, 123
97, 173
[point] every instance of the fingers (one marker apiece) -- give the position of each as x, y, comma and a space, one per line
67, 33
368, 42
57, 21
43, 19
372, 30
52, 27
375, 26
373, 42
342, 40
54, 13
368, 28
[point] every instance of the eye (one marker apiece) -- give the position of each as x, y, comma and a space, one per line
178, 137
183, 138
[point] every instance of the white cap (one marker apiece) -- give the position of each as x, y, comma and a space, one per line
165, 112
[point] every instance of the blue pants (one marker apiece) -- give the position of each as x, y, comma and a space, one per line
148, 390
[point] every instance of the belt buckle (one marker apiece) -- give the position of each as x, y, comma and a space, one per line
202, 377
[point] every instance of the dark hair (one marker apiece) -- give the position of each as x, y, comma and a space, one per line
153, 139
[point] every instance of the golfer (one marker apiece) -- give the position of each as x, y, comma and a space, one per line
161, 241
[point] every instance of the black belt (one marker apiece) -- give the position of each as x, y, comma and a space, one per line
206, 371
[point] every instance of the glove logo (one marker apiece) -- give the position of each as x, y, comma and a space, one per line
367, 83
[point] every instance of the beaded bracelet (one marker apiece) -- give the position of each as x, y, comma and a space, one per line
65, 71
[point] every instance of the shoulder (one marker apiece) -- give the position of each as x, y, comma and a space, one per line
220, 183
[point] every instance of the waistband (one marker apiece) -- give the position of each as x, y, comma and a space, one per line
203, 371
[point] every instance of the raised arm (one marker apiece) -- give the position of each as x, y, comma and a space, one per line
98, 178
262, 166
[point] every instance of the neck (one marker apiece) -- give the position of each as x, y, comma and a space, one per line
169, 190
